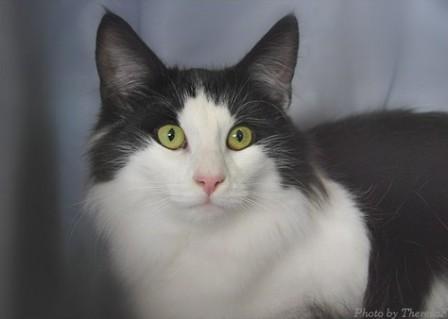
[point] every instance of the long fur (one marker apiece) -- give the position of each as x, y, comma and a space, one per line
340, 221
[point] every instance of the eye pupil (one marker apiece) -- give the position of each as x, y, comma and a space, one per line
171, 134
239, 135
239, 138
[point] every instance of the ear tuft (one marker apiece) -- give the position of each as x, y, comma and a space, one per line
271, 62
125, 64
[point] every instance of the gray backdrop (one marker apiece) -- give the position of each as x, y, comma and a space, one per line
355, 55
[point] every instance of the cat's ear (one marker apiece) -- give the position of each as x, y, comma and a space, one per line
271, 62
126, 65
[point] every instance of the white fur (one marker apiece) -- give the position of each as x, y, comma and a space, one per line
437, 301
259, 251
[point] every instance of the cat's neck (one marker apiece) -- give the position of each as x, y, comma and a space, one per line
286, 243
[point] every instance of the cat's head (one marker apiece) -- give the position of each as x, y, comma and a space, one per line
198, 141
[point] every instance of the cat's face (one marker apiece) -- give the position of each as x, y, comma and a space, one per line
200, 142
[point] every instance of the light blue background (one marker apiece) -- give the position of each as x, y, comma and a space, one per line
355, 55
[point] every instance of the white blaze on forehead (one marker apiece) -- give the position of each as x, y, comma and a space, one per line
206, 126
205, 121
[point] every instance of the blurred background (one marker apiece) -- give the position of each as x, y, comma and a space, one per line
355, 55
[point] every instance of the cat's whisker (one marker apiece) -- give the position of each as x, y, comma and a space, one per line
176, 91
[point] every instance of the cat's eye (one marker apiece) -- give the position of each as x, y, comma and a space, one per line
171, 136
239, 138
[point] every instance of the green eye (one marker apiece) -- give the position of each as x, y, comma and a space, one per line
239, 138
171, 136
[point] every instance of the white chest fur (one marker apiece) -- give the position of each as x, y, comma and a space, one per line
275, 259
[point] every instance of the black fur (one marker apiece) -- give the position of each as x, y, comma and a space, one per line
395, 162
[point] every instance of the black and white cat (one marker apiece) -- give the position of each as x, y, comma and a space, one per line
216, 206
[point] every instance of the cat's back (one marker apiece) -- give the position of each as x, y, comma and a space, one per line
389, 158
386, 149
396, 163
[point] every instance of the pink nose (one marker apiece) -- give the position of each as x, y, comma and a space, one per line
209, 183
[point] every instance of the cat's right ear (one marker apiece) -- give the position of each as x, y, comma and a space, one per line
126, 65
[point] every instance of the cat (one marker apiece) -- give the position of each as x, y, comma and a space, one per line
216, 206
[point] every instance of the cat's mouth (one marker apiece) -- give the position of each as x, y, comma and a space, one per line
211, 204
217, 204
208, 203
208, 208
222, 201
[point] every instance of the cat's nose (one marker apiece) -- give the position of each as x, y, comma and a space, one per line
209, 183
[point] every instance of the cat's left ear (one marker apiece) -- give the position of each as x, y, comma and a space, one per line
271, 62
